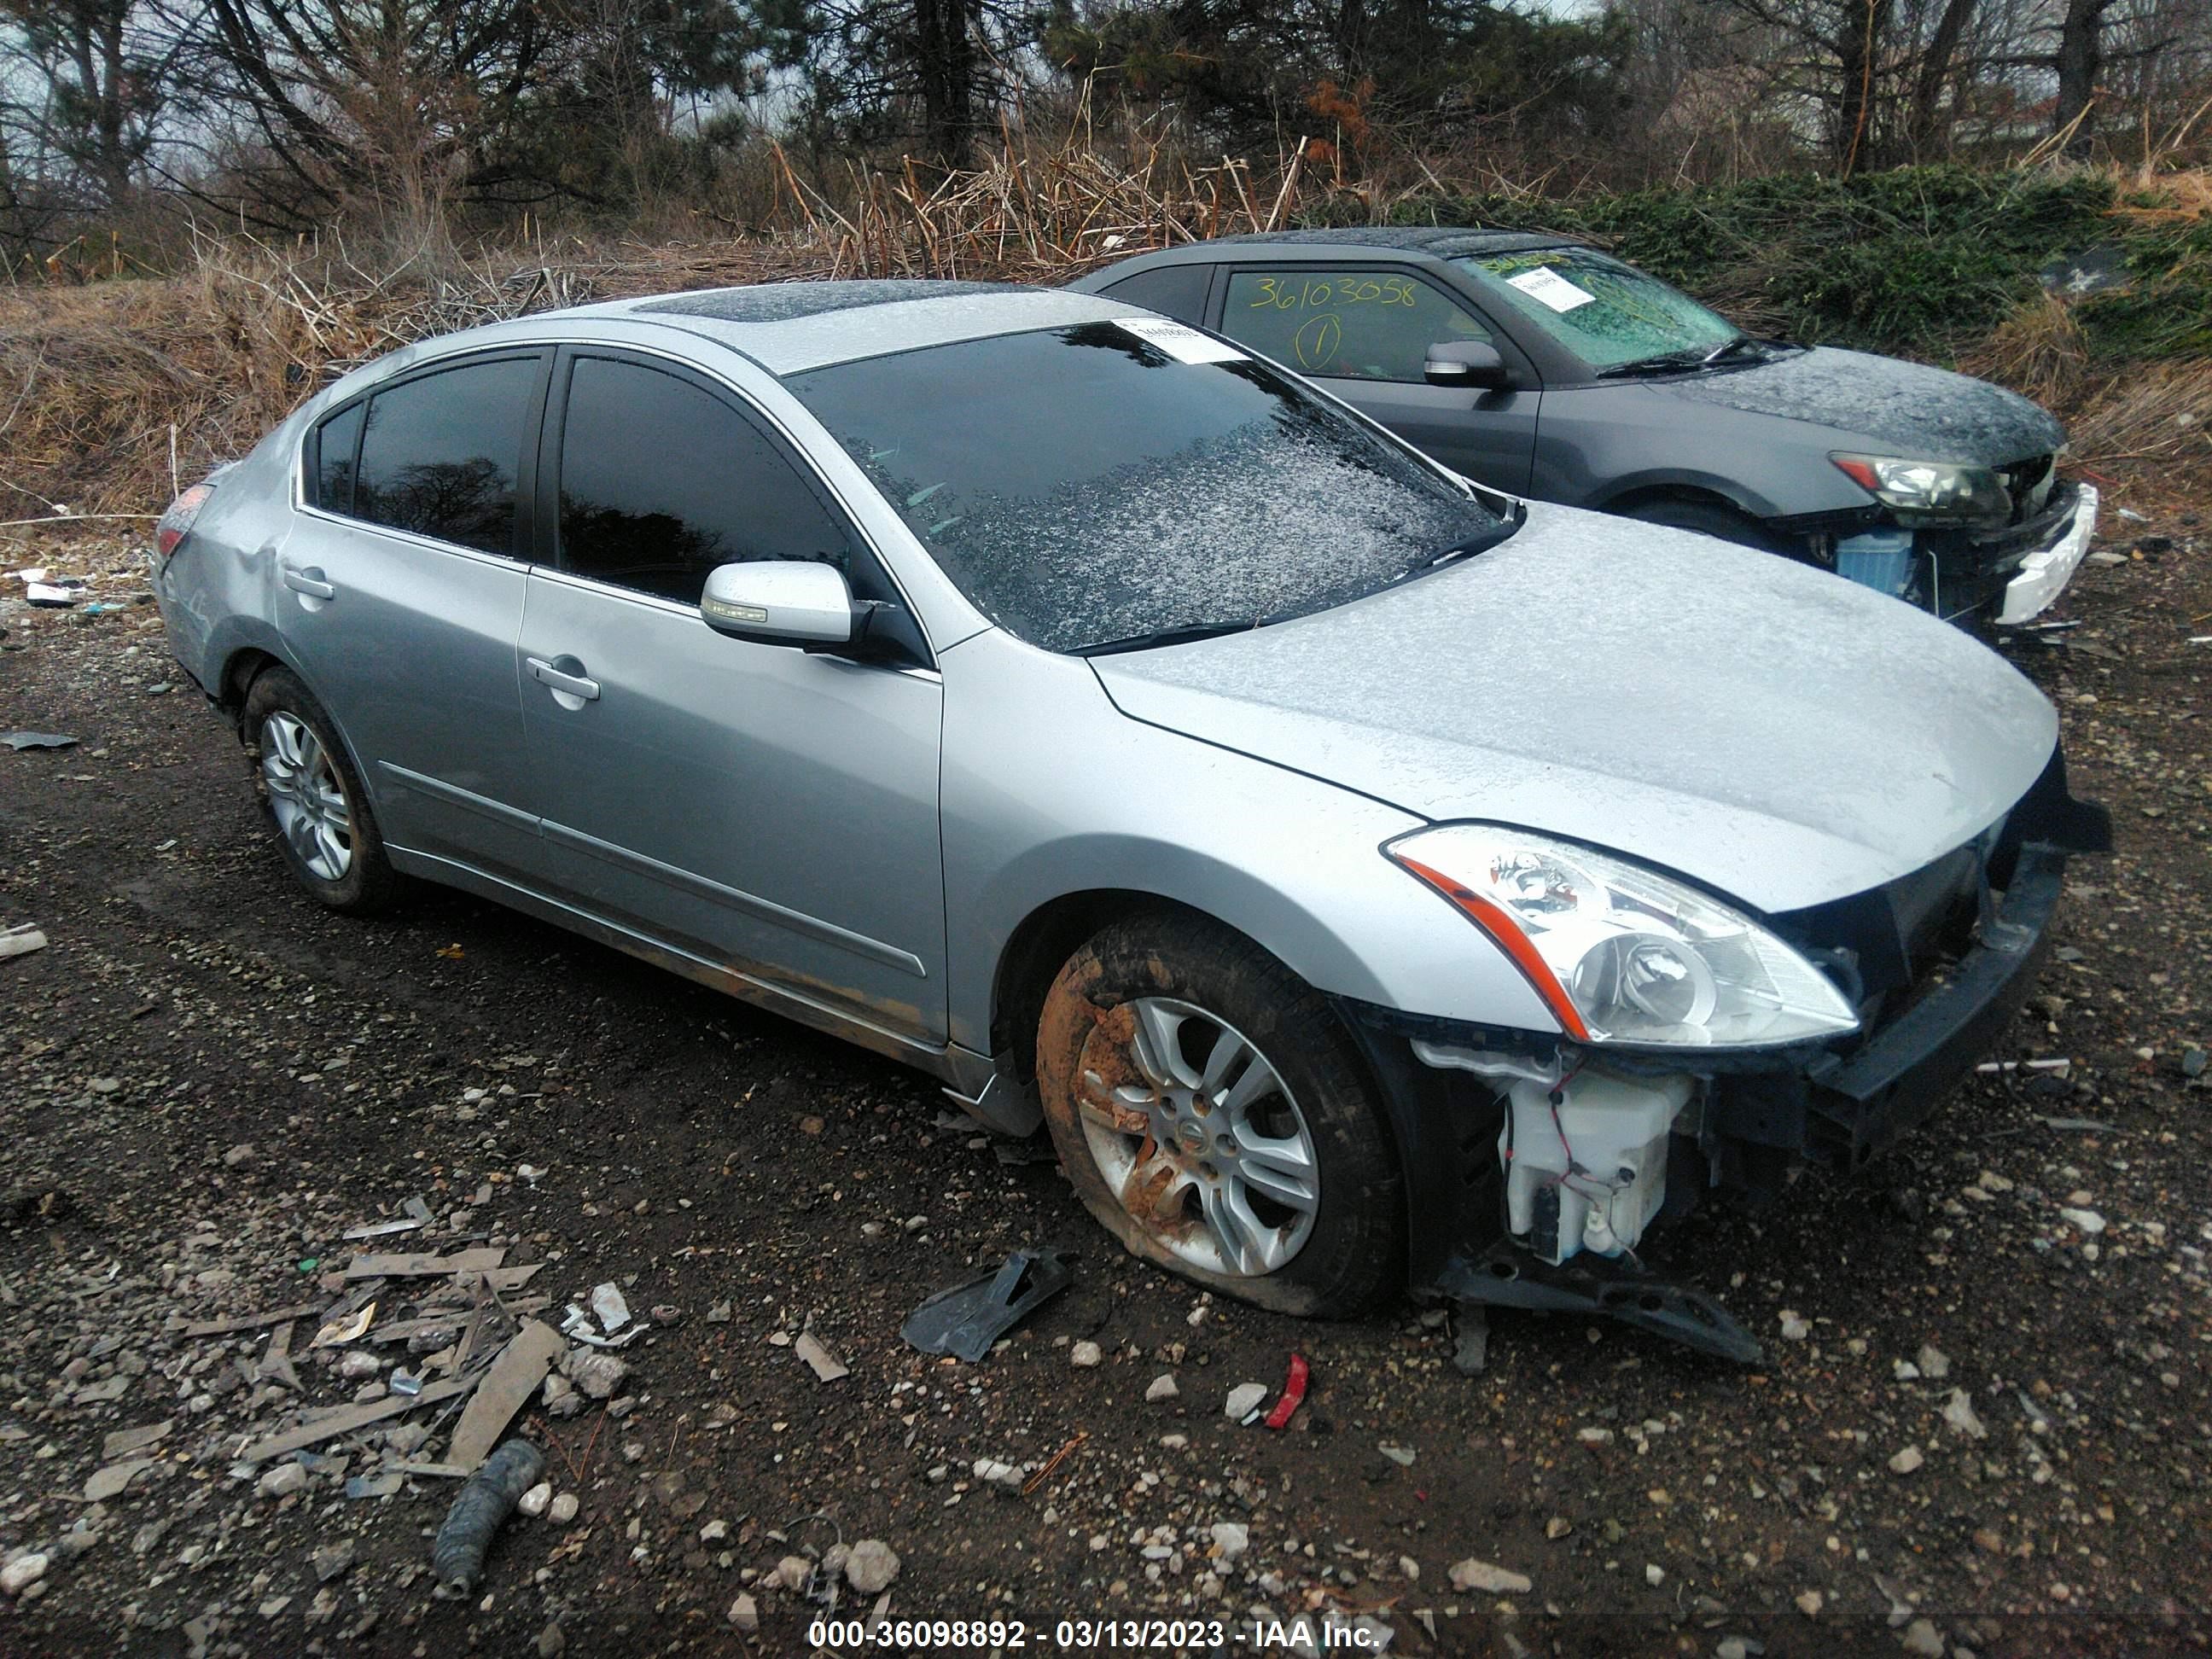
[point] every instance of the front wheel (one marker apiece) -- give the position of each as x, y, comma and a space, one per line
1709, 518
1213, 1115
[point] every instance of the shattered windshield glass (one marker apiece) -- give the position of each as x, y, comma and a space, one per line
1086, 486
1606, 313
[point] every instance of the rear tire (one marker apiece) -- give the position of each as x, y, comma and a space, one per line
1709, 518
324, 823
1213, 1115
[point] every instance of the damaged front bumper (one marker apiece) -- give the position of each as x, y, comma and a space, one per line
2003, 576
1497, 1221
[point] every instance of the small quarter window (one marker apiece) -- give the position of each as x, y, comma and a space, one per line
337, 446
439, 452
1344, 325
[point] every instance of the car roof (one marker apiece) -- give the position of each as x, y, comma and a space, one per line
789, 328
1438, 242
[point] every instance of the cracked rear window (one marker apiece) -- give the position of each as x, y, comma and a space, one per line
1083, 485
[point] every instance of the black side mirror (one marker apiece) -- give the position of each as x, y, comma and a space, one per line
1473, 364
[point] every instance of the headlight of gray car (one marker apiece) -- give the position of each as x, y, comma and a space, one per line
1935, 491
1622, 954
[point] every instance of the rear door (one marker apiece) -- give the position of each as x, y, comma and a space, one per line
1364, 333
400, 599
765, 809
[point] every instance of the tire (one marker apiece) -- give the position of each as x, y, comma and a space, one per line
321, 814
1295, 1203
1709, 519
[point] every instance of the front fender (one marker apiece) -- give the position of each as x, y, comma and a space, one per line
1050, 791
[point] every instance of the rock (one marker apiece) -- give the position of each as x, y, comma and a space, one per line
1738, 1647
1084, 1355
1959, 1413
1794, 1327
357, 1362
719, 1314
240, 1156
563, 1509
871, 1566
1007, 1477
1163, 1386
713, 1532
533, 1502
1654, 1574
596, 1375
551, 1641
1810, 1602
332, 1559
284, 1480
1487, 1579
19, 1574
1921, 1636
1232, 1538
108, 1483
1934, 1362
1243, 1400
1409, 1569
1907, 1461
793, 1572
745, 1613
1594, 1435
2086, 1221
1557, 1527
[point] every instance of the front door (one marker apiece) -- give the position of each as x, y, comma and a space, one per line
1365, 334
768, 809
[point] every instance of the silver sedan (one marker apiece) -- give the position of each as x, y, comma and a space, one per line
1370, 881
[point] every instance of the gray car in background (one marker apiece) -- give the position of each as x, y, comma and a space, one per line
1368, 880
1541, 366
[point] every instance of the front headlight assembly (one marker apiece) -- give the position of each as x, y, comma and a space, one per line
1929, 491
1621, 954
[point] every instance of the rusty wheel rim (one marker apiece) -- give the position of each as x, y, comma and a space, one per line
1198, 1136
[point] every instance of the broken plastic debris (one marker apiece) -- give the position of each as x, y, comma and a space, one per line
479, 1511
21, 940
21, 740
608, 1305
828, 1368
382, 1229
1294, 1392
344, 1330
375, 1486
578, 1325
966, 1319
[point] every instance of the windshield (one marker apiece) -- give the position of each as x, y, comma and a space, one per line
1606, 313
1086, 486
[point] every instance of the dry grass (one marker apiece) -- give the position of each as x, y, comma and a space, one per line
2040, 350
2157, 414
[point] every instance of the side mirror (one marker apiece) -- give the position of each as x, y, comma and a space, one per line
780, 602
1473, 364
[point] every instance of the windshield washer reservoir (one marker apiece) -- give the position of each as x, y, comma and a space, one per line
1590, 1173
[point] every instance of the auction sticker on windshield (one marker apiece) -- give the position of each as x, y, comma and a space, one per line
1184, 343
1548, 288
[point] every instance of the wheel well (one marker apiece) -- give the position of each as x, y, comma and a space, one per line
1633, 499
1040, 948
238, 677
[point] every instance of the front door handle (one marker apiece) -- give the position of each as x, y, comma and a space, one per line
570, 679
309, 581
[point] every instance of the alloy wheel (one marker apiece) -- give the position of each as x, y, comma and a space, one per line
305, 795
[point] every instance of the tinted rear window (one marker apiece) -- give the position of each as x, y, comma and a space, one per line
440, 452
1082, 485
337, 443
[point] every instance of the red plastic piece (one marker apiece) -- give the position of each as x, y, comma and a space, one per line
1294, 1393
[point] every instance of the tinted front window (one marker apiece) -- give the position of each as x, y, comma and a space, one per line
661, 481
1346, 325
337, 444
1606, 313
1082, 485
439, 454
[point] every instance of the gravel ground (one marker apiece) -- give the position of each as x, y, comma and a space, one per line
1985, 1426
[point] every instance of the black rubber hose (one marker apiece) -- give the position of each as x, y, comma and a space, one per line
484, 1502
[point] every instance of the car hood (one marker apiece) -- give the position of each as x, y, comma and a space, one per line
1760, 726
1903, 409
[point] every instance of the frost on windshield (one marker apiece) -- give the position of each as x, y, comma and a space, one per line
1082, 487
1262, 521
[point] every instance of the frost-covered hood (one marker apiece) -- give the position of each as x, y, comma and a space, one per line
1907, 410
1779, 734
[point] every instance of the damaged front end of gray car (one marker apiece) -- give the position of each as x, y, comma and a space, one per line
1538, 1166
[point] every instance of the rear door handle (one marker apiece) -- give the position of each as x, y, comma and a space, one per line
309, 581
562, 680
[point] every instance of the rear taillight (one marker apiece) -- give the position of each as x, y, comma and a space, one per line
179, 518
